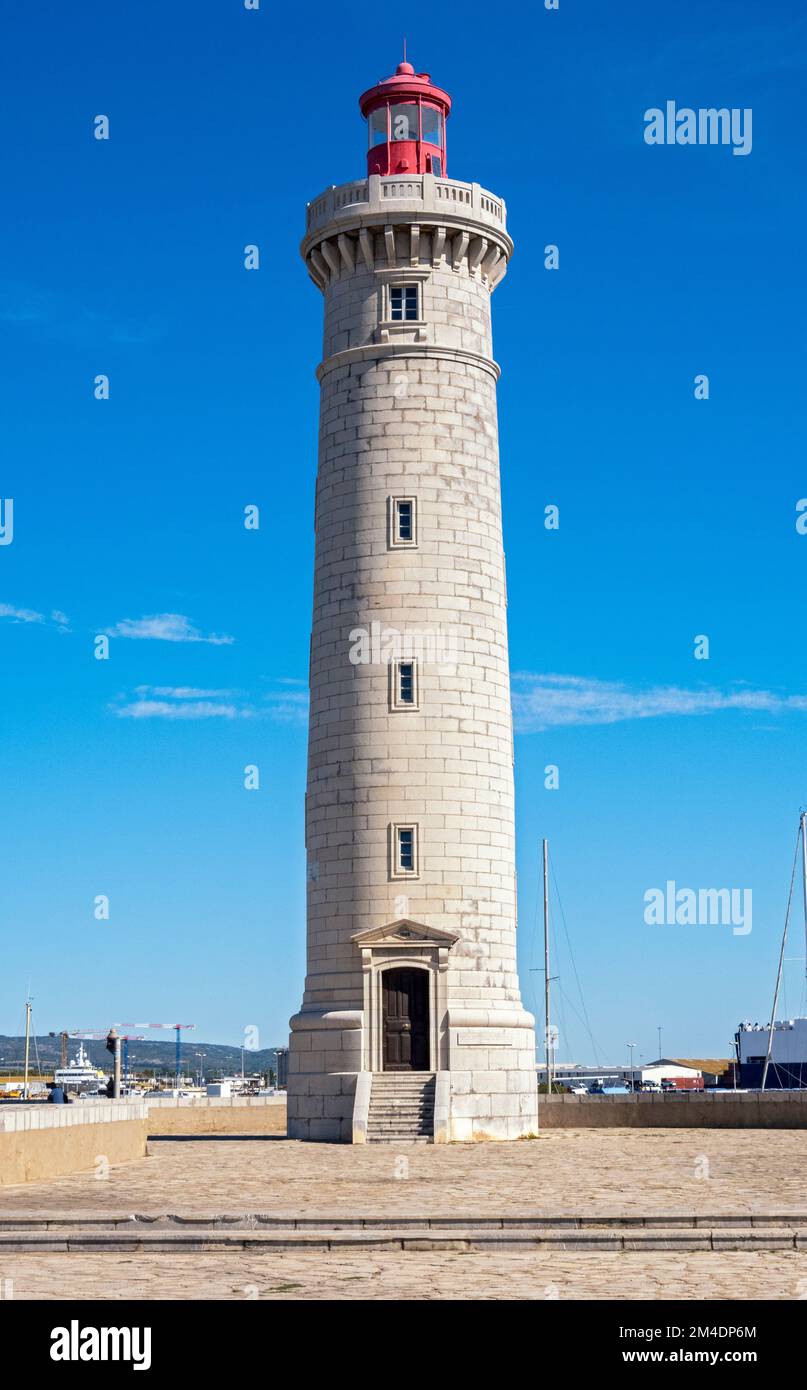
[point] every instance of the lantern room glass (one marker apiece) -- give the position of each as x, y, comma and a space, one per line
404, 121
410, 122
378, 126
432, 125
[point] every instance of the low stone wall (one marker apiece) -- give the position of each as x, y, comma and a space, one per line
216, 1115
39, 1142
685, 1110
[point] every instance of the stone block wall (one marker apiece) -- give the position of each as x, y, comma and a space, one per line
40, 1142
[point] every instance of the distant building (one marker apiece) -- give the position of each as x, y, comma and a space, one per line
716, 1071
219, 1090
674, 1074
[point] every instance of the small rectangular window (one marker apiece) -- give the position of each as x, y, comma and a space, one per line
403, 685
406, 683
404, 514
404, 847
402, 521
406, 851
403, 303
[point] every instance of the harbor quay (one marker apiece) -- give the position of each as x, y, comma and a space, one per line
598, 1172
589, 1214
450, 1275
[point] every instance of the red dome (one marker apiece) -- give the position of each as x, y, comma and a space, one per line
404, 82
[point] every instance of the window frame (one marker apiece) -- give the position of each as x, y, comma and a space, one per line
404, 277
406, 292
396, 869
394, 541
396, 703
403, 281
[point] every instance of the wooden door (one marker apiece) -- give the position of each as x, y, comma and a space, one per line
406, 1020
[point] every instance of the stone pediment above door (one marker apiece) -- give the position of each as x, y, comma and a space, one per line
405, 932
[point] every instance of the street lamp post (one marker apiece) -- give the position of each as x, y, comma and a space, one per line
632, 1076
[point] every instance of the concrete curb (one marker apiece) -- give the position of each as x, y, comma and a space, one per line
457, 1239
87, 1223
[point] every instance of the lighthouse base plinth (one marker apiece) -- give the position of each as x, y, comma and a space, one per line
325, 1052
486, 1077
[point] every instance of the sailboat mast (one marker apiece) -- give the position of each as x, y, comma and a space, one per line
769, 1052
803, 820
549, 1057
27, 1046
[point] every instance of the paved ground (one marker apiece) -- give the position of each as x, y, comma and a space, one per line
565, 1171
409, 1276
577, 1171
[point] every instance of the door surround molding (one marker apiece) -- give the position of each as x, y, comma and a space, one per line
404, 943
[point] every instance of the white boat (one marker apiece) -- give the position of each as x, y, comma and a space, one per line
80, 1074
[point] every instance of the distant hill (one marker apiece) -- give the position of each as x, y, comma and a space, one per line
216, 1057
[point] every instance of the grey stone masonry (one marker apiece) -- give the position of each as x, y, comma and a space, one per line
409, 807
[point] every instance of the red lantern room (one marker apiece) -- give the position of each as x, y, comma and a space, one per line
406, 122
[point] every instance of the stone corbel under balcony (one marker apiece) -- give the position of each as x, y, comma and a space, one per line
458, 248
331, 257
476, 252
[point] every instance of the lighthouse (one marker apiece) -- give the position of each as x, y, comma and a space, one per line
411, 1025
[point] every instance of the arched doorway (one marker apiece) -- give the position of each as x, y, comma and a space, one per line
405, 1018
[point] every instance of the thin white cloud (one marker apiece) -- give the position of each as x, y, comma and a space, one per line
554, 701
179, 709
30, 615
288, 707
20, 615
165, 627
182, 692
192, 702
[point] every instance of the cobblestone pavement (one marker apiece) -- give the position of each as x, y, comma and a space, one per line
362, 1275
564, 1171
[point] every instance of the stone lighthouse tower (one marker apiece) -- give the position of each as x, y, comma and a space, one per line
411, 1025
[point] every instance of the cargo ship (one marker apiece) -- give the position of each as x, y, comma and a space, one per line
773, 1056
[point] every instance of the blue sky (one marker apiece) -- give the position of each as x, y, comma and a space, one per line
677, 516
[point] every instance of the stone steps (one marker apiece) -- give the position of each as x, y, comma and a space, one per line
401, 1108
394, 1107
